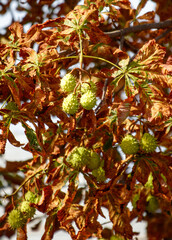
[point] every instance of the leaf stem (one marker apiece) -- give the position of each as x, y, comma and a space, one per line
62, 58
25, 181
80, 58
87, 56
5, 101
81, 50
102, 59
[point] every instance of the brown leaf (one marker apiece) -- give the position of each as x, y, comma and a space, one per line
87, 221
142, 171
14, 90
150, 58
22, 233
123, 110
123, 4
141, 6
42, 2
159, 226
67, 203
88, 120
13, 140
3, 141
96, 35
16, 30
151, 54
33, 34
45, 198
40, 97
14, 166
148, 16
120, 218
161, 110
51, 225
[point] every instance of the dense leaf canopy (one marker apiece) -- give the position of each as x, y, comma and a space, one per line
124, 58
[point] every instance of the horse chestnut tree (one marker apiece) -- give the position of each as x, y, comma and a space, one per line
92, 90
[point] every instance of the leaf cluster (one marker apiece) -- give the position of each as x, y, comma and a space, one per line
133, 96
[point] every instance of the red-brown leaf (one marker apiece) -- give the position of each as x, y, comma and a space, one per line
22, 233
123, 111
51, 225
13, 140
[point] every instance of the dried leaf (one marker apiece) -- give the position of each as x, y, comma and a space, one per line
13, 140
141, 5
123, 110
96, 35
16, 30
3, 141
22, 233
148, 16
51, 225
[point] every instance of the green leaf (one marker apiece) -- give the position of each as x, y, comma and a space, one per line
113, 117
69, 23
129, 86
31, 136
12, 106
168, 124
118, 75
108, 143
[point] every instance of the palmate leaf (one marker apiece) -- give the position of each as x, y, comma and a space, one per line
142, 85
133, 84
9, 78
120, 220
118, 75
129, 86
158, 165
161, 109
76, 22
147, 68
33, 62
150, 58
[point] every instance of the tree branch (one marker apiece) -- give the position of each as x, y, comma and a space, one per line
163, 34
139, 28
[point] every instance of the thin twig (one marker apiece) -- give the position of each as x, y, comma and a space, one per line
121, 42
163, 34
25, 181
139, 28
157, 39
103, 95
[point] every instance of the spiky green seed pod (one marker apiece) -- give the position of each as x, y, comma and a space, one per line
148, 143
27, 209
129, 145
99, 173
153, 204
16, 219
94, 161
88, 85
84, 153
78, 157
70, 104
68, 83
116, 237
76, 161
88, 100
31, 197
